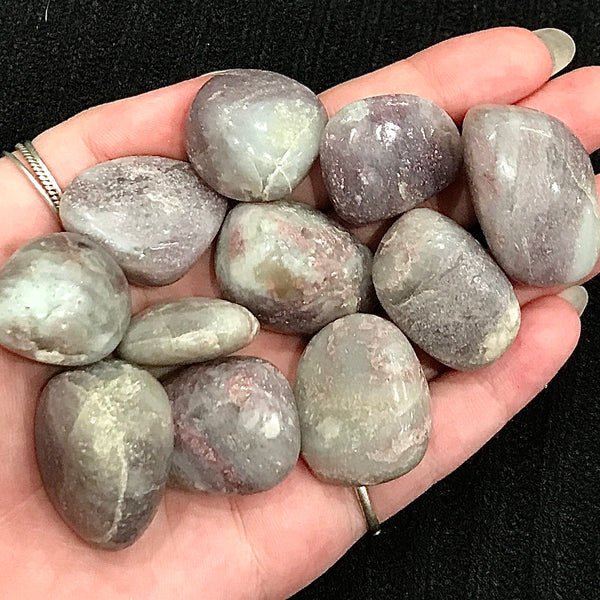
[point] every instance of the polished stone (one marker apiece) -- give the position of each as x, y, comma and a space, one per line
534, 193
153, 214
444, 291
382, 156
104, 439
291, 266
187, 331
236, 426
63, 300
363, 402
253, 135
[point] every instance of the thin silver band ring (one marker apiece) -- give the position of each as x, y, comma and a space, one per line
373, 525
41, 178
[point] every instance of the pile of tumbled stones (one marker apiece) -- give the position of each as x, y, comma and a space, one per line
109, 436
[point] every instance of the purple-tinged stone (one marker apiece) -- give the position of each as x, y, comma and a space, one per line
253, 135
153, 214
104, 439
363, 402
444, 291
187, 331
236, 426
382, 156
291, 266
534, 193
63, 301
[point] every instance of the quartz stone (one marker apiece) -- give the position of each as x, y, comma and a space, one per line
104, 439
382, 156
236, 426
153, 214
444, 291
63, 300
363, 402
187, 331
534, 193
253, 135
291, 266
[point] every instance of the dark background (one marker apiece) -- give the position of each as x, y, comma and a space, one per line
521, 519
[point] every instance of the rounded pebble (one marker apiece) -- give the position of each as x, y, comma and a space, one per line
153, 214
253, 135
63, 301
363, 402
294, 268
236, 426
104, 439
187, 331
444, 291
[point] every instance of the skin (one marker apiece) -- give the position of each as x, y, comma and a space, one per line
215, 547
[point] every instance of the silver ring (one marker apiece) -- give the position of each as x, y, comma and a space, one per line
41, 178
373, 524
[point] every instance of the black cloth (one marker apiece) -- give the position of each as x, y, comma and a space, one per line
521, 518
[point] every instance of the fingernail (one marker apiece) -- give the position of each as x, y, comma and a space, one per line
560, 45
577, 297
213, 73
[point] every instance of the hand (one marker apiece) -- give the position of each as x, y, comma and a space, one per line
271, 544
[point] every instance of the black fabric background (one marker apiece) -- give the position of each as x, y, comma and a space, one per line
521, 519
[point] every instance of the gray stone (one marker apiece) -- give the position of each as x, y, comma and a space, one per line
294, 268
534, 193
444, 291
104, 439
187, 331
153, 214
253, 135
382, 156
63, 301
363, 402
236, 426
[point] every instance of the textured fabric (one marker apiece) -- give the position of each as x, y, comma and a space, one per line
521, 519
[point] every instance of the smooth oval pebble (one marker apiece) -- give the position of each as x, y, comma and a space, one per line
104, 439
534, 193
382, 156
253, 135
444, 291
63, 301
236, 426
363, 402
294, 268
153, 214
187, 331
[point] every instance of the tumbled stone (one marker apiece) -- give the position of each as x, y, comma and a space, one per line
104, 439
153, 214
63, 301
187, 331
253, 135
444, 291
534, 193
294, 268
236, 426
363, 402
382, 156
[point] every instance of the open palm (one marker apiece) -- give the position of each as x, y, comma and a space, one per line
271, 544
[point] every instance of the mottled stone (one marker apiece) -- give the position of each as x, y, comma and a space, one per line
534, 193
253, 135
187, 331
294, 268
236, 426
63, 301
104, 439
153, 214
444, 291
363, 402
382, 156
